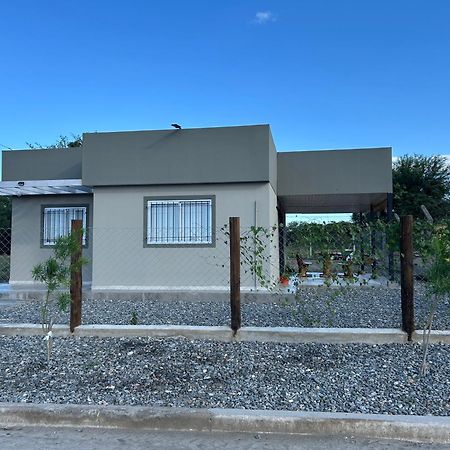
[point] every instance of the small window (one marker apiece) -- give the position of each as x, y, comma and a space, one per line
182, 222
57, 222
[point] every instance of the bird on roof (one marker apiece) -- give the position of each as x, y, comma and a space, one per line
175, 125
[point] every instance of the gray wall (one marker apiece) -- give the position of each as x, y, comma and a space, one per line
188, 156
273, 163
26, 249
335, 172
54, 164
121, 261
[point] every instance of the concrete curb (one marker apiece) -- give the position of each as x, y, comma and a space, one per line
411, 428
436, 336
26, 293
194, 296
224, 334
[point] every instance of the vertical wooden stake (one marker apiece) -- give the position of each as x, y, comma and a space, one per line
76, 278
235, 273
407, 274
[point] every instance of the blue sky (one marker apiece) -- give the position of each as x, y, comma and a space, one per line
324, 74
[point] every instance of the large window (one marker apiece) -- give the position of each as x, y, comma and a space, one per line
179, 221
56, 222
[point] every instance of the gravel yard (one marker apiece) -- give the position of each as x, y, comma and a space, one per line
353, 307
179, 372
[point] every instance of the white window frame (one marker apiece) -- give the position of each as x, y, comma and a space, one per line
182, 234
64, 225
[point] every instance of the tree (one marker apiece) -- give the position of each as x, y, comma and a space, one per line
56, 273
5, 212
436, 254
421, 180
62, 142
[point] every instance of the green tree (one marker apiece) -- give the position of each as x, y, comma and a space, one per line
62, 142
55, 273
436, 254
5, 212
422, 180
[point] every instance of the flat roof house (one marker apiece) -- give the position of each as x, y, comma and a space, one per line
153, 202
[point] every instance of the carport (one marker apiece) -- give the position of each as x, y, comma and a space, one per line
334, 181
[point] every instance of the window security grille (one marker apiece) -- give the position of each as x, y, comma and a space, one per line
57, 222
179, 221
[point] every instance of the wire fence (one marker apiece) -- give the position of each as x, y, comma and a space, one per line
342, 253
310, 254
5, 254
303, 254
123, 258
318, 271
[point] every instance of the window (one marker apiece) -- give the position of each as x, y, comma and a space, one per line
180, 221
57, 222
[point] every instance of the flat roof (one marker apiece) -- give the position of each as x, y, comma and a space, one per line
242, 154
350, 180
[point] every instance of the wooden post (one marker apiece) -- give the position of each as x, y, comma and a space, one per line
235, 273
390, 216
76, 278
407, 274
281, 240
373, 240
361, 244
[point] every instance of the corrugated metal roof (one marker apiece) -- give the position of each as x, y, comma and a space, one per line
43, 187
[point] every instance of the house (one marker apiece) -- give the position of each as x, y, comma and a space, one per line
153, 203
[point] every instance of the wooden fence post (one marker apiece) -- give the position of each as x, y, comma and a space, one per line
407, 274
76, 278
235, 273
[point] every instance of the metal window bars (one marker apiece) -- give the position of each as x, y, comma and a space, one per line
57, 222
179, 221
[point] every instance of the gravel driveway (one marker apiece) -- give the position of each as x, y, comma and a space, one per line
179, 372
352, 307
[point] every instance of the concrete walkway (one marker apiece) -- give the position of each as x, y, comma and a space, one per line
425, 429
51, 438
245, 334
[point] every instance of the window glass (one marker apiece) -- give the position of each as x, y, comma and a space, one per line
57, 222
179, 221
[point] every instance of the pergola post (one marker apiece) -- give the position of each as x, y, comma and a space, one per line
361, 242
390, 216
281, 239
373, 238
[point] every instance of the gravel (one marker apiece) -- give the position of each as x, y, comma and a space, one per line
316, 306
179, 372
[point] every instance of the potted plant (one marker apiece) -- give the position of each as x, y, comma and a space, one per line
285, 276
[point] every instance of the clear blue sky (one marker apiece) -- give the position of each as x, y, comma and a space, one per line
324, 74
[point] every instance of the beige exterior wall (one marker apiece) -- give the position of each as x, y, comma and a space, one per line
26, 226
121, 261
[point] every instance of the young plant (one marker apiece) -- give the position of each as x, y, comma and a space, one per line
437, 254
255, 245
55, 273
134, 320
